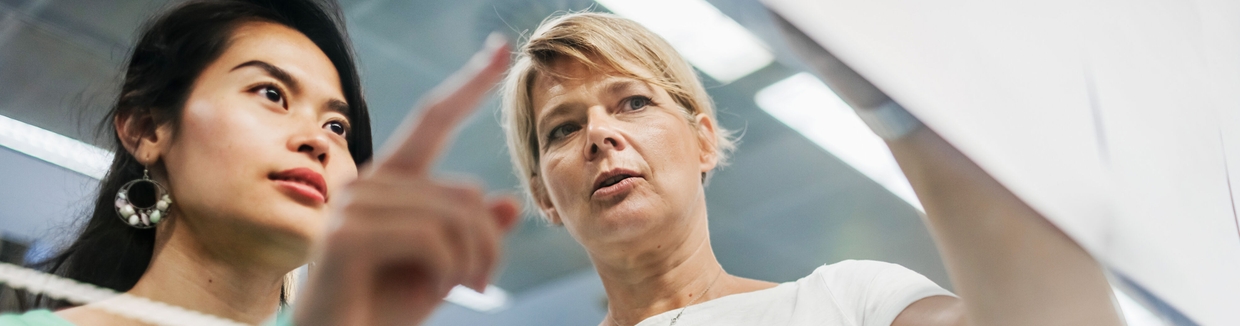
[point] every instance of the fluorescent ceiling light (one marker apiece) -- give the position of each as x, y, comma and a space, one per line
710, 40
492, 300
808, 106
54, 148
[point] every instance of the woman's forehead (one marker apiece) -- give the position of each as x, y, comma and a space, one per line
283, 47
272, 36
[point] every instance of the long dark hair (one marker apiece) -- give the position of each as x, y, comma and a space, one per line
172, 51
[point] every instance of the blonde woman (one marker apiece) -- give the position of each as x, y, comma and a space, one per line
614, 137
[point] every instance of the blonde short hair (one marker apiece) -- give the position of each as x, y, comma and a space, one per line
601, 42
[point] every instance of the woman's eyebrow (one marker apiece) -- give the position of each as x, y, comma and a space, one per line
622, 86
274, 72
338, 106
612, 88
334, 105
559, 109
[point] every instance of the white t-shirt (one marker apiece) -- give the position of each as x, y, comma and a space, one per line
850, 292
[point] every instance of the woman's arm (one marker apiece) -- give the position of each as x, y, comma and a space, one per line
1009, 264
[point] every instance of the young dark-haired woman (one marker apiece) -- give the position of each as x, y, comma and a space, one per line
239, 132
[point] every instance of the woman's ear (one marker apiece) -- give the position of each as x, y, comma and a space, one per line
539, 192
708, 142
142, 137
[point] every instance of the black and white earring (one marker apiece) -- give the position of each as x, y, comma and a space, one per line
142, 203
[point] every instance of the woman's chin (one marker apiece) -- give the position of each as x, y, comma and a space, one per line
289, 244
626, 221
294, 230
295, 217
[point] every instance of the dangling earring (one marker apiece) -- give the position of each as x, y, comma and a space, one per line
142, 203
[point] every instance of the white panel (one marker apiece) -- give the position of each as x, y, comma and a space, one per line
1111, 118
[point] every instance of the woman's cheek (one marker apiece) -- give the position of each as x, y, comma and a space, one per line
558, 178
340, 179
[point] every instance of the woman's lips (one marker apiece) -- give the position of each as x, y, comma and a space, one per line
618, 189
302, 182
301, 190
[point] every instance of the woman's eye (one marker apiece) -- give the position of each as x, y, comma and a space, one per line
562, 131
271, 93
637, 102
336, 127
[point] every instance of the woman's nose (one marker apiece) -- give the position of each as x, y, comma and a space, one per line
603, 135
313, 142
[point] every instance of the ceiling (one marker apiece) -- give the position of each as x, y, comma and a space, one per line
782, 208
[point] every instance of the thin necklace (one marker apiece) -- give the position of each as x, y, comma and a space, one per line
682, 310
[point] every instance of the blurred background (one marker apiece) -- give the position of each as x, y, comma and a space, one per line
808, 186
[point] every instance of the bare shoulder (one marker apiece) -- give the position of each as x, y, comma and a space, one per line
939, 310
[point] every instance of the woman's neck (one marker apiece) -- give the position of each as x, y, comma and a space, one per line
647, 288
667, 276
185, 273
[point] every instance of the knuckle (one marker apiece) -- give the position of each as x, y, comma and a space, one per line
444, 226
471, 193
461, 195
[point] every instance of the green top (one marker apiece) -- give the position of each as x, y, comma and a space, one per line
34, 318
45, 317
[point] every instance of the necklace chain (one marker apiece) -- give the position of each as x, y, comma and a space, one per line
682, 310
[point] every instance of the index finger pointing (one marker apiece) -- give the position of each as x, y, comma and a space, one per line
417, 143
